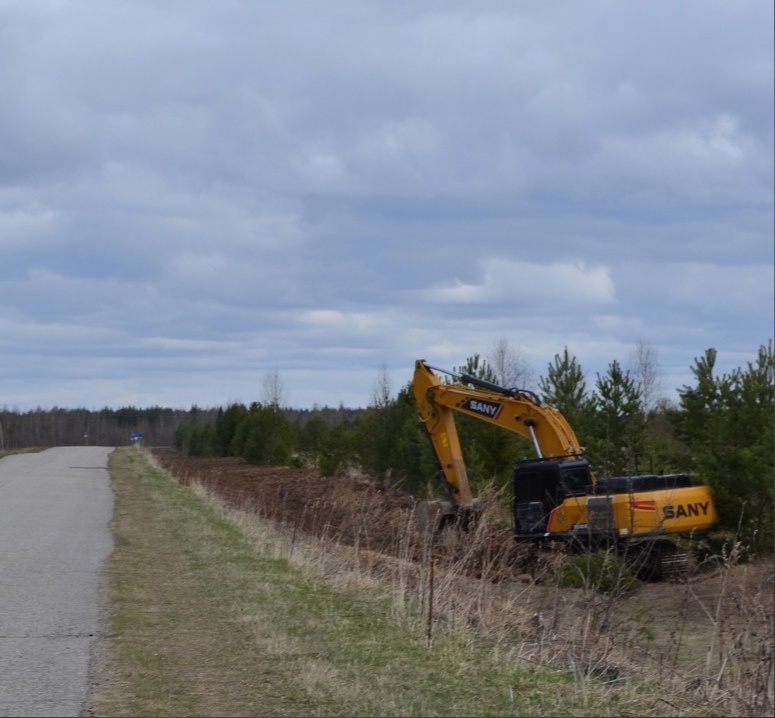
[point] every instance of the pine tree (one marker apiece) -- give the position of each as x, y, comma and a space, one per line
727, 424
619, 422
565, 389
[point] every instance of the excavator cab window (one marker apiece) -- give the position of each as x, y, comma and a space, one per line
576, 479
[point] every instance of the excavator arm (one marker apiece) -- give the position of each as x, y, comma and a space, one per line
520, 412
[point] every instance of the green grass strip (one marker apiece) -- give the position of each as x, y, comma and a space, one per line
202, 624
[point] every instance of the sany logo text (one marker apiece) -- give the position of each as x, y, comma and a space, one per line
699, 508
485, 408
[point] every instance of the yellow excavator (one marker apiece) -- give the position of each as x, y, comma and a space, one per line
556, 497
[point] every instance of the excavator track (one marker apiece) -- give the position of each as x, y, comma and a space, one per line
657, 560
674, 563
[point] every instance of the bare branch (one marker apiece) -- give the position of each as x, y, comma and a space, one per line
511, 366
381, 396
645, 369
273, 389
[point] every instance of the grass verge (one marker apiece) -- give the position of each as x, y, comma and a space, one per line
27, 450
200, 622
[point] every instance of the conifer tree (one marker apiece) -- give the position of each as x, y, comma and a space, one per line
565, 389
619, 422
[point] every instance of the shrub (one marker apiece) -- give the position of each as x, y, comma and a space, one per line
601, 571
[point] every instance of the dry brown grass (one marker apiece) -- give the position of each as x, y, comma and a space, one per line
706, 643
703, 645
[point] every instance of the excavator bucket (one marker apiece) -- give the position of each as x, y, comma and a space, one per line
432, 517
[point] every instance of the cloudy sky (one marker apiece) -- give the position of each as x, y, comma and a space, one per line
196, 195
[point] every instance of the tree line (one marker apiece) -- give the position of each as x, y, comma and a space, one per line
104, 427
720, 431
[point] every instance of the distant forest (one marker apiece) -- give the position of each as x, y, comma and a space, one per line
721, 431
115, 427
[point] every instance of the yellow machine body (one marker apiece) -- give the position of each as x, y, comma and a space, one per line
663, 511
556, 496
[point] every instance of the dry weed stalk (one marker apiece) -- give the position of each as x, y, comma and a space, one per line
740, 660
480, 589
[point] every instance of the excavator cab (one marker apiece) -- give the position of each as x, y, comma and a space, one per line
540, 486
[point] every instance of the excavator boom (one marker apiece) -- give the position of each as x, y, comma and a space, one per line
517, 411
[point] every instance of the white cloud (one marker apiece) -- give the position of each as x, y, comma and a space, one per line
719, 142
39, 336
706, 160
24, 224
401, 140
550, 284
325, 169
187, 345
345, 322
699, 290
727, 290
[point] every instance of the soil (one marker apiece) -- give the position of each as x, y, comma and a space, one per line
348, 509
296, 497
356, 509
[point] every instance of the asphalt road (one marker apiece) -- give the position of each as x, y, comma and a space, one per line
55, 507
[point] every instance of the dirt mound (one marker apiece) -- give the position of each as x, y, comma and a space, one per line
338, 507
344, 509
